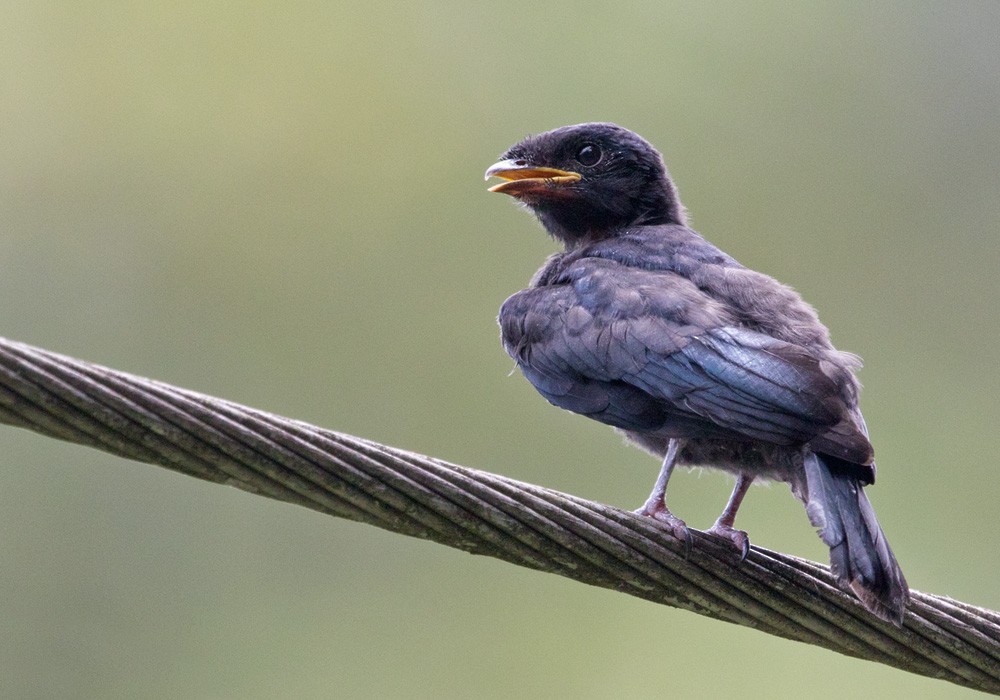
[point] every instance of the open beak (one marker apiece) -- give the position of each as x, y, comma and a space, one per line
523, 178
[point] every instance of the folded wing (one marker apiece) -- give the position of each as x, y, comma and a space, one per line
640, 349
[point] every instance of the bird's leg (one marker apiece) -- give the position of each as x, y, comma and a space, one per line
656, 507
655, 504
724, 525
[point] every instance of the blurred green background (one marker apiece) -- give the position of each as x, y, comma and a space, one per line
283, 205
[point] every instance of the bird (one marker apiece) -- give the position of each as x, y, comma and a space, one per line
640, 323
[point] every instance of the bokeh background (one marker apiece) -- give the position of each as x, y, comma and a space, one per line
282, 204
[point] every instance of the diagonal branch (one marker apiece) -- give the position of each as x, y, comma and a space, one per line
483, 513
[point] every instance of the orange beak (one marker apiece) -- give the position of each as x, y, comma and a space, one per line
523, 178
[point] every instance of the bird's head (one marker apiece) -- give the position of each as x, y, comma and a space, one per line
587, 182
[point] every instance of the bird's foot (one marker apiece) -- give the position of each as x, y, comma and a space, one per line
678, 528
730, 534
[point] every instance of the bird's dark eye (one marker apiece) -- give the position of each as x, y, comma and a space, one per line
588, 154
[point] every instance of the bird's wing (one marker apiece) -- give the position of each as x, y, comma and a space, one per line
752, 384
614, 340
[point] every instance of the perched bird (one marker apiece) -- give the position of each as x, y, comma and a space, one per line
642, 324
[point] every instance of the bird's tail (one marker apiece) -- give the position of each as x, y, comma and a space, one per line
860, 556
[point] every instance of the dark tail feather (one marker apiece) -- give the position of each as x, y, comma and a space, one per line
860, 556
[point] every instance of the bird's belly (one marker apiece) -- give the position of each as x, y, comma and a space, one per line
759, 459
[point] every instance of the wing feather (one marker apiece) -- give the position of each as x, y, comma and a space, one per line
636, 348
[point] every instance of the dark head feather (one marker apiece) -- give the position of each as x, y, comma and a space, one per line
623, 182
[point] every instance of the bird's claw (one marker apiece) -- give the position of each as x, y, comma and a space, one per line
678, 528
736, 537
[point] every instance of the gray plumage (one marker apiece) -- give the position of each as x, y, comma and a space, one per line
643, 325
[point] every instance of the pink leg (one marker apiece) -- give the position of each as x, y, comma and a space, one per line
655, 506
724, 525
